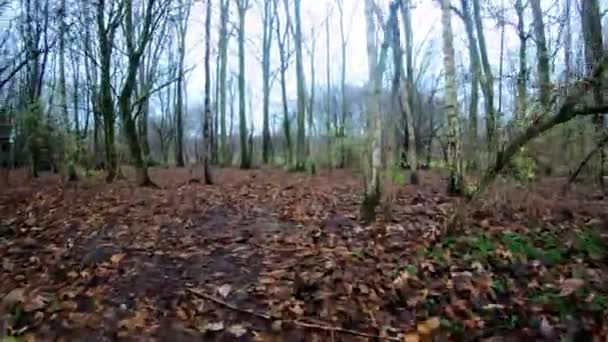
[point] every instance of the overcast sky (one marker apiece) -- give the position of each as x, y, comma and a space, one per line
314, 13
427, 43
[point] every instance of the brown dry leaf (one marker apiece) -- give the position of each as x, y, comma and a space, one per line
135, 322
181, 314
401, 280
297, 309
237, 330
117, 258
569, 286
16, 296
428, 326
36, 302
8, 265
412, 337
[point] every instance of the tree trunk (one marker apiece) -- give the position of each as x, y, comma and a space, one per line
522, 76
182, 27
475, 70
341, 132
401, 92
301, 115
328, 107
266, 46
311, 100
223, 53
376, 65
207, 115
542, 55
106, 105
487, 83
245, 161
455, 178
594, 52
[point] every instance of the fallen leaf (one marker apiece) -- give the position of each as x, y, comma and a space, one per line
213, 326
569, 286
7, 265
132, 323
224, 290
297, 309
237, 330
413, 337
546, 329
16, 296
37, 302
428, 326
117, 258
401, 280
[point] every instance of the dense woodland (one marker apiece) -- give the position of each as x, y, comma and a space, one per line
474, 150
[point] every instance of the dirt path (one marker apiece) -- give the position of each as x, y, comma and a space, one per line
100, 262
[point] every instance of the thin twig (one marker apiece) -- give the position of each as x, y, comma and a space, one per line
299, 323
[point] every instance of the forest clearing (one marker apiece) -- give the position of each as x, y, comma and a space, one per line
317, 170
266, 255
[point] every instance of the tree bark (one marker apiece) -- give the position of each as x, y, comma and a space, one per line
522, 76
475, 70
542, 55
455, 178
487, 83
223, 53
106, 33
267, 20
594, 52
207, 115
245, 159
301, 115
401, 92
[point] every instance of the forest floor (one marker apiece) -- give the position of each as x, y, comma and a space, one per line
266, 255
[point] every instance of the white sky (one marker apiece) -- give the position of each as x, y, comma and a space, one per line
427, 42
314, 13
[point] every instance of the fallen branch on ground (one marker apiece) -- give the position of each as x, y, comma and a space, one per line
299, 323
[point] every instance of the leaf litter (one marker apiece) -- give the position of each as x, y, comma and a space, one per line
272, 256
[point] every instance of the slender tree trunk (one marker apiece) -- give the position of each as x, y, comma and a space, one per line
401, 92
301, 115
245, 160
455, 179
184, 7
488, 82
376, 65
106, 104
522, 76
542, 55
502, 54
343, 108
207, 115
328, 107
311, 100
266, 51
475, 69
594, 52
223, 53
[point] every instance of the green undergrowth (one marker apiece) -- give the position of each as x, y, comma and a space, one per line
513, 280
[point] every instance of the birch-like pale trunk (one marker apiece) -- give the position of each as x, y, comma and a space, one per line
455, 178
